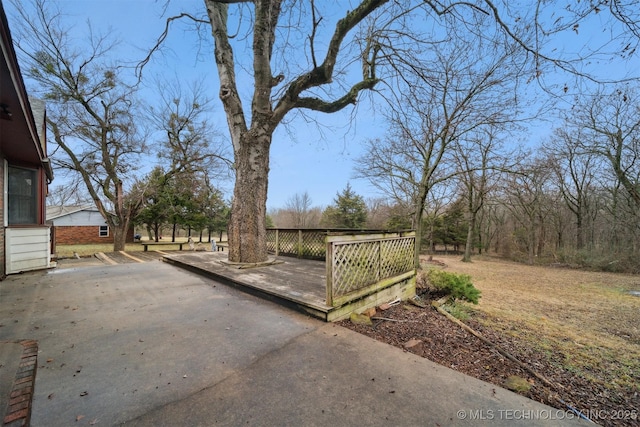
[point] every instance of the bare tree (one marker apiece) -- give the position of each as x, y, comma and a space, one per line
575, 172
299, 208
604, 127
492, 220
251, 138
481, 162
611, 130
189, 143
526, 192
464, 89
91, 111
191, 155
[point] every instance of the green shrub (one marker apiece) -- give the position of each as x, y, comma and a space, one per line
459, 311
457, 286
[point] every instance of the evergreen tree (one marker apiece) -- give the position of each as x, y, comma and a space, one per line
348, 211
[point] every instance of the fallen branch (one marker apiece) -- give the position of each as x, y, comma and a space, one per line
394, 320
500, 350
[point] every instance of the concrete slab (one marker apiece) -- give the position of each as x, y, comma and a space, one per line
152, 344
117, 341
332, 376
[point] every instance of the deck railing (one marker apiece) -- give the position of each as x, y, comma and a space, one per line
357, 262
301, 243
358, 265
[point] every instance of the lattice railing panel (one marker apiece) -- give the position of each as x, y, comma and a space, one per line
359, 260
271, 240
302, 243
360, 263
355, 265
396, 256
288, 242
313, 244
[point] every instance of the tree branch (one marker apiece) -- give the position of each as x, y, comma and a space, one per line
163, 37
349, 98
226, 72
323, 73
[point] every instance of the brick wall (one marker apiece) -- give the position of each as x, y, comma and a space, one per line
78, 235
18, 411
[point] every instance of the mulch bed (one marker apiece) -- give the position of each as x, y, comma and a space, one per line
427, 333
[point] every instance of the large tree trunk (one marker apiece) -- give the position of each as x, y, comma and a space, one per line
121, 221
119, 228
247, 227
119, 237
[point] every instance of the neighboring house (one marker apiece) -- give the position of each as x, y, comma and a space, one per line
77, 225
25, 170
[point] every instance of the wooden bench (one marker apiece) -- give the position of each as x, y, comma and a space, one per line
221, 245
147, 244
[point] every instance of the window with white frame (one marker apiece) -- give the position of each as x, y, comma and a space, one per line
104, 231
22, 194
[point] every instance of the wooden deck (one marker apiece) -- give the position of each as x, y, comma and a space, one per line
296, 283
299, 284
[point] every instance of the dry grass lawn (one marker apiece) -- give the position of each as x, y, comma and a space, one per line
589, 319
67, 251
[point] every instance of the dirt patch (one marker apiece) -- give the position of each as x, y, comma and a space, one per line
576, 330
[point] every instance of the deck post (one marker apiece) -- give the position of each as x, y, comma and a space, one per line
379, 262
329, 269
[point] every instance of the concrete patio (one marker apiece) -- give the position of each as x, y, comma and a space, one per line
148, 344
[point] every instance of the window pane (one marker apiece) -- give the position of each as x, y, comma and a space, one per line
104, 231
23, 190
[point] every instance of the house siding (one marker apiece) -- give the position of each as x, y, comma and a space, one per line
28, 249
86, 217
85, 234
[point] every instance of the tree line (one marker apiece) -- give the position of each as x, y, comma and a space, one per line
572, 199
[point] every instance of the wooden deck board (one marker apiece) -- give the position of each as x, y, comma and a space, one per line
298, 281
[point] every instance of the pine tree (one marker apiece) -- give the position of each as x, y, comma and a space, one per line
348, 211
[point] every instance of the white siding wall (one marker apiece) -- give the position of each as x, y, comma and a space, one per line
85, 217
27, 249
